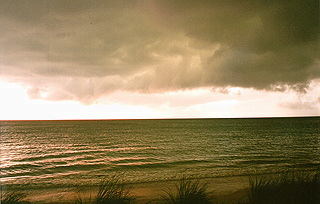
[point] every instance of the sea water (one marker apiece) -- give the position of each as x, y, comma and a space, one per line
68, 153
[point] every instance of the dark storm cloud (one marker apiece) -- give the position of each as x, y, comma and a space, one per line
81, 50
260, 42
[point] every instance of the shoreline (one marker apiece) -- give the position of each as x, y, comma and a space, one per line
225, 189
33, 186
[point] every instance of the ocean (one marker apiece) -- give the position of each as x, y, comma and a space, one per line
82, 152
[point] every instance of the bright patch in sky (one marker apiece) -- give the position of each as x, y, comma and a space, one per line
16, 105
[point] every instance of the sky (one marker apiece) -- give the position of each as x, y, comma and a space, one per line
80, 59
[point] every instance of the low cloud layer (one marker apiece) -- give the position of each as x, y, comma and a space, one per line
82, 50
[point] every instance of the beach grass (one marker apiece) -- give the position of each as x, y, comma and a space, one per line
288, 188
13, 197
188, 192
111, 191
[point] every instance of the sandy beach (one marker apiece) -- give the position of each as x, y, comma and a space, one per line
226, 190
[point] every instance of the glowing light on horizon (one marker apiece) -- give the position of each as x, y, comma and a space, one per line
15, 104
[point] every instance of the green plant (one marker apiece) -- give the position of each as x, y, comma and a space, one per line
12, 197
290, 188
111, 191
188, 192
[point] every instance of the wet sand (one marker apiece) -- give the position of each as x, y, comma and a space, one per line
226, 190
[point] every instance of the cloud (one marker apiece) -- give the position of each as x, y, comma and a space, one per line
306, 100
84, 50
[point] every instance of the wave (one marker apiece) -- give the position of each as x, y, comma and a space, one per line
264, 161
136, 163
58, 155
156, 148
33, 170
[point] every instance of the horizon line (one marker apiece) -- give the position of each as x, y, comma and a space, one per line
186, 118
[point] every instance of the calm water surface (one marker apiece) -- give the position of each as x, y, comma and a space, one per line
76, 152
